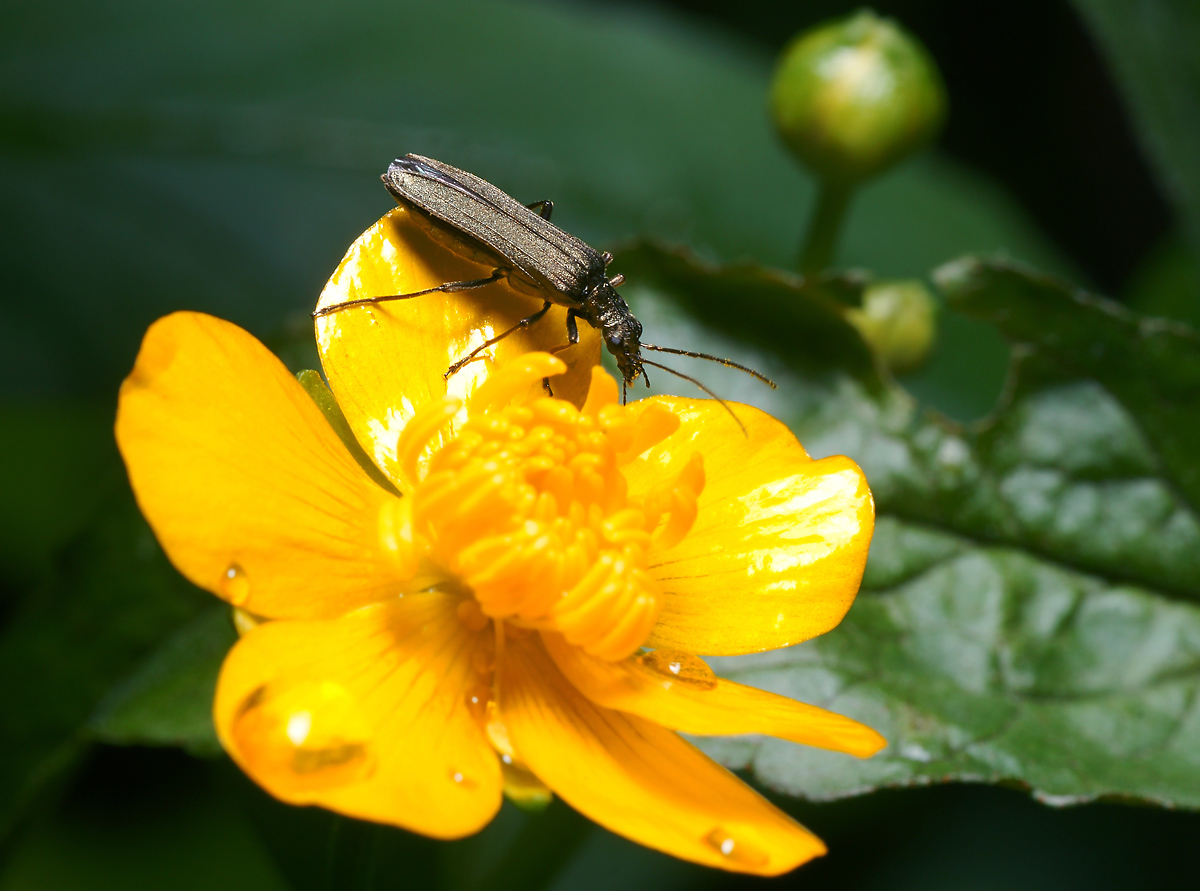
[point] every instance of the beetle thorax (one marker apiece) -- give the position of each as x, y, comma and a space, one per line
608, 311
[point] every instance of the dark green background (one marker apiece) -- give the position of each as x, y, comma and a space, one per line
220, 156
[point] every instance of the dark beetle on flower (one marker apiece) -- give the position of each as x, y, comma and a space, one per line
478, 221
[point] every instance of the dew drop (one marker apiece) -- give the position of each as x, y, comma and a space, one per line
303, 736
235, 585
463, 781
679, 666
735, 849
476, 700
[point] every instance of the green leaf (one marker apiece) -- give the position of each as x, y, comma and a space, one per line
1150, 365
114, 598
1031, 607
800, 320
1151, 46
1167, 284
168, 699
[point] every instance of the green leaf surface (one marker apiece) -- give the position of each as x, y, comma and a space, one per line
113, 599
799, 319
1031, 607
1150, 365
163, 701
1151, 45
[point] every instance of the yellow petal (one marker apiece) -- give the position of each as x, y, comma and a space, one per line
247, 487
681, 692
778, 548
637, 778
365, 715
386, 360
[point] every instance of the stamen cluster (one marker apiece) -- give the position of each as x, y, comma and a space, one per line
527, 508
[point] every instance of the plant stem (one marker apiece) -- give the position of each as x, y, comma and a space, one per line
823, 231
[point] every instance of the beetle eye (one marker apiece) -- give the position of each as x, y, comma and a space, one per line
616, 340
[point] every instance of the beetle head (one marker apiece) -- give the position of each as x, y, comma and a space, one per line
622, 332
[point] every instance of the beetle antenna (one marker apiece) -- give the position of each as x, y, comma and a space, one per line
692, 380
728, 363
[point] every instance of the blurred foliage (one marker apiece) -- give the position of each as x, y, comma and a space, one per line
1030, 615
1152, 46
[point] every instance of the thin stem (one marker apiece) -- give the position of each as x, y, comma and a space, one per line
823, 231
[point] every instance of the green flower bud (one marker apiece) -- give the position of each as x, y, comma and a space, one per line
898, 320
854, 96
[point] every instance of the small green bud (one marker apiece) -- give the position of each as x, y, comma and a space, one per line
898, 320
853, 96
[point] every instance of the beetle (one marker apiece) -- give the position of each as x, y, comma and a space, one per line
480, 222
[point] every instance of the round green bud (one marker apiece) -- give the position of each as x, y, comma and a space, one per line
898, 319
853, 96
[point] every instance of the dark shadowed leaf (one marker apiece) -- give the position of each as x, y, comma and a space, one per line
113, 599
798, 319
1151, 45
164, 701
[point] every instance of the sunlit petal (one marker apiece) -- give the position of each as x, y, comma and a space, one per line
386, 360
780, 541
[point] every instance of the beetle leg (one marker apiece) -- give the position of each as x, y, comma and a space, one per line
544, 207
524, 323
572, 331
448, 287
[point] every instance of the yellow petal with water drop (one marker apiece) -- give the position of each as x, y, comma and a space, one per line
366, 715
309, 735
780, 541
680, 691
638, 779
246, 486
385, 361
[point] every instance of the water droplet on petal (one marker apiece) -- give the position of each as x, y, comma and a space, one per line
675, 665
735, 849
234, 585
461, 779
304, 736
476, 700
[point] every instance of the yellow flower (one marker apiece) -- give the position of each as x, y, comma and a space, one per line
413, 656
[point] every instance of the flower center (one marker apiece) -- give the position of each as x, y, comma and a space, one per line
527, 507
